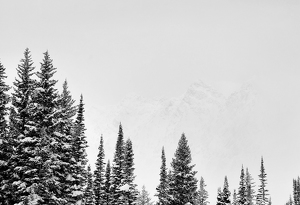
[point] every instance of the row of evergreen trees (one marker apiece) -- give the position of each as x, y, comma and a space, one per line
42, 146
295, 200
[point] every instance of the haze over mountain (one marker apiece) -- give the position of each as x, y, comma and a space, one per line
227, 125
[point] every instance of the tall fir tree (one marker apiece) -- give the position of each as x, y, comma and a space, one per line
183, 184
220, 197
118, 170
226, 193
129, 177
144, 197
89, 196
6, 146
162, 188
21, 127
99, 175
250, 193
262, 194
78, 147
107, 185
241, 195
202, 194
296, 191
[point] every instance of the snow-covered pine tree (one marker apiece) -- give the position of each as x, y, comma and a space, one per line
22, 167
89, 196
65, 123
117, 174
234, 198
183, 184
78, 147
6, 146
226, 193
144, 197
262, 194
250, 193
107, 185
131, 193
162, 188
241, 195
296, 191
202, 194
99, 175
220, 197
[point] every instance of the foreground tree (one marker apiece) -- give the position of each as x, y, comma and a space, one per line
144, 197
162, 189
183, 184
262, 195
241, 195
6, 147
99, 175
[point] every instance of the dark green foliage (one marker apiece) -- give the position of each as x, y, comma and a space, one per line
6, 148
130, 194
162, 189
99, 175
202, 194
183, 184
242, 197
118, 169
89, 196
262, 194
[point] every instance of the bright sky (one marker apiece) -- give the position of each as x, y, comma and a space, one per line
107, 49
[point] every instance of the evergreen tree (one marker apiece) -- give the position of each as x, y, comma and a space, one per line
118, 170
162, 189
242, 197
99, 175
296, 191
234, 198
290, 201
22, 165
131, 193
78, 147
250, 193
89, 196
6, 147
144, 198
107, 185
202, 194
262, 195
220, 197
226, 193
183, 184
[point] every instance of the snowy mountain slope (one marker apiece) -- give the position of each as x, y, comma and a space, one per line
224, 132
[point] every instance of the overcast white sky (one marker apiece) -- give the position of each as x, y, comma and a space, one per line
107, 49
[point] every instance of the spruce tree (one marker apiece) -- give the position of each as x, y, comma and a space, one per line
183, 184
262, 194
250, 193
220, 197
6, 146
118, 170
234, 198
162, 188
99, 175
242, 197
107, 185
78, 147
131, 193
226, 193
89, 196
22, 167
202, 194
144, 197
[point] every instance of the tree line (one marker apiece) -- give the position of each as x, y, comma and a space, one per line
43, 156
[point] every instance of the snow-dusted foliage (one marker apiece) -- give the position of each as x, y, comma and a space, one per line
202, 194
183, 184
262, 194
296, 191
163, 187
89, 196
241, 195
250, 193
144, 198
